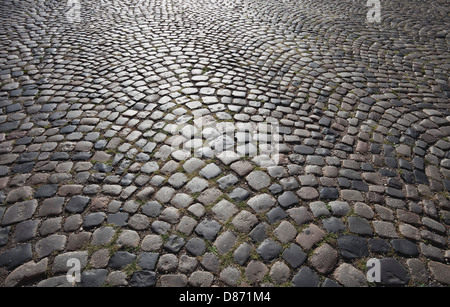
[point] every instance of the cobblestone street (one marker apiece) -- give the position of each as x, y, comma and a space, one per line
224, 143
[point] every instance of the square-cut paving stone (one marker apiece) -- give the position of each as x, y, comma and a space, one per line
209, 196
151, 208
324, 259
359, 225
165, 194
197, 209
255, 271
77, 241
186, 225
170, 215
4, 235
364, 210
259, 233
328, 193
242, 253
352, 246
192, 165
196, 185
196, 246
258, 180
308, 193
177, 180
77, 204
440, 271
305, 278
150, 167
333, 225
147, 261
50, 226
61, 261
227, 181
405, 247
349, 276
225, 242
288, 199
294, 256
239, 194
242, 168
182, 200
93, 219
19, 212
208, 229
224, 210
56, 142
27, 271
351, 195
139, 222
285, 232
170, 167
261, 202
47, 190
304, 149
70, 189
310, 236
300, 215
385, 229
393, 273
93, 278
379, 245
319, 208
103, 236
48, 245
227, 157
269, 250
18, 194
339, 208
276, 214
244, 221
15, 256
112, 189
210, 171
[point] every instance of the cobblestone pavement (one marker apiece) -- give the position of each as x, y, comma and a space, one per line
128, 142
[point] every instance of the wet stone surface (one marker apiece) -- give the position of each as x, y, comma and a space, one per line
224, 143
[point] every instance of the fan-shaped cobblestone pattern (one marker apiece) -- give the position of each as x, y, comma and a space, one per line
229, 143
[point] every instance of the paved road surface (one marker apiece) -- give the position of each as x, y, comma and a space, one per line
201, 142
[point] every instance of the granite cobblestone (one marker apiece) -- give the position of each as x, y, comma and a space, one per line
279, 143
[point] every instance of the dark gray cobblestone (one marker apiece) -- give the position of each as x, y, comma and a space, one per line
137, 141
